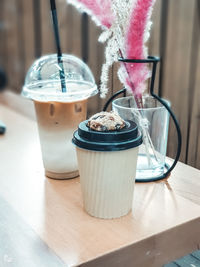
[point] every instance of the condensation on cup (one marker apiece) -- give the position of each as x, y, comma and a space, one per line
59, 114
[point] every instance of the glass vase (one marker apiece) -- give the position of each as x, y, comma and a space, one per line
153, 119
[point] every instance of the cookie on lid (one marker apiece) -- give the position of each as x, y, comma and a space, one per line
106, 121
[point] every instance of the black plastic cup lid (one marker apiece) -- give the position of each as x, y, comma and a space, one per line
122, 139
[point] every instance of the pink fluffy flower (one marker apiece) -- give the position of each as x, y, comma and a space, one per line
100, 10
137, 34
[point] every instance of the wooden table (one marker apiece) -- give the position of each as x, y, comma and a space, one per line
42, 221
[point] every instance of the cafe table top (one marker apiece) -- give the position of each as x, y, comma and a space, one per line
43, 223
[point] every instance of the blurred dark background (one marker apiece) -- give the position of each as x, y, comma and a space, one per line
26, 34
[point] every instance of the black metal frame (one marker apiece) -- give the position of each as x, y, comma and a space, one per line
155, 61
3, 82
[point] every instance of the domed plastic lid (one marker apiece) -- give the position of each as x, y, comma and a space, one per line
43, 82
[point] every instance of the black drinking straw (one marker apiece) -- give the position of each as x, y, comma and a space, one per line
57, 41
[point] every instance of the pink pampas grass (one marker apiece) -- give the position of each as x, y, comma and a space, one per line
100, 10
126, 27
136, 36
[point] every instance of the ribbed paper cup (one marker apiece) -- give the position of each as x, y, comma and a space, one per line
107, 170
107, 181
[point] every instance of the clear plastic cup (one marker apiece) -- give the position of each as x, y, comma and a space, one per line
58, 114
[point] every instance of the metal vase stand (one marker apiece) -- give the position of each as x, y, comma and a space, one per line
154, 61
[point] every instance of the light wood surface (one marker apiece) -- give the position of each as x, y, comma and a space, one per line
164, 224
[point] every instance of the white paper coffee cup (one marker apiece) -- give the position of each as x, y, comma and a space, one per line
107, 165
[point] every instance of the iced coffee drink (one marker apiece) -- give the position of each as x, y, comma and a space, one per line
56, 123
59, 113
